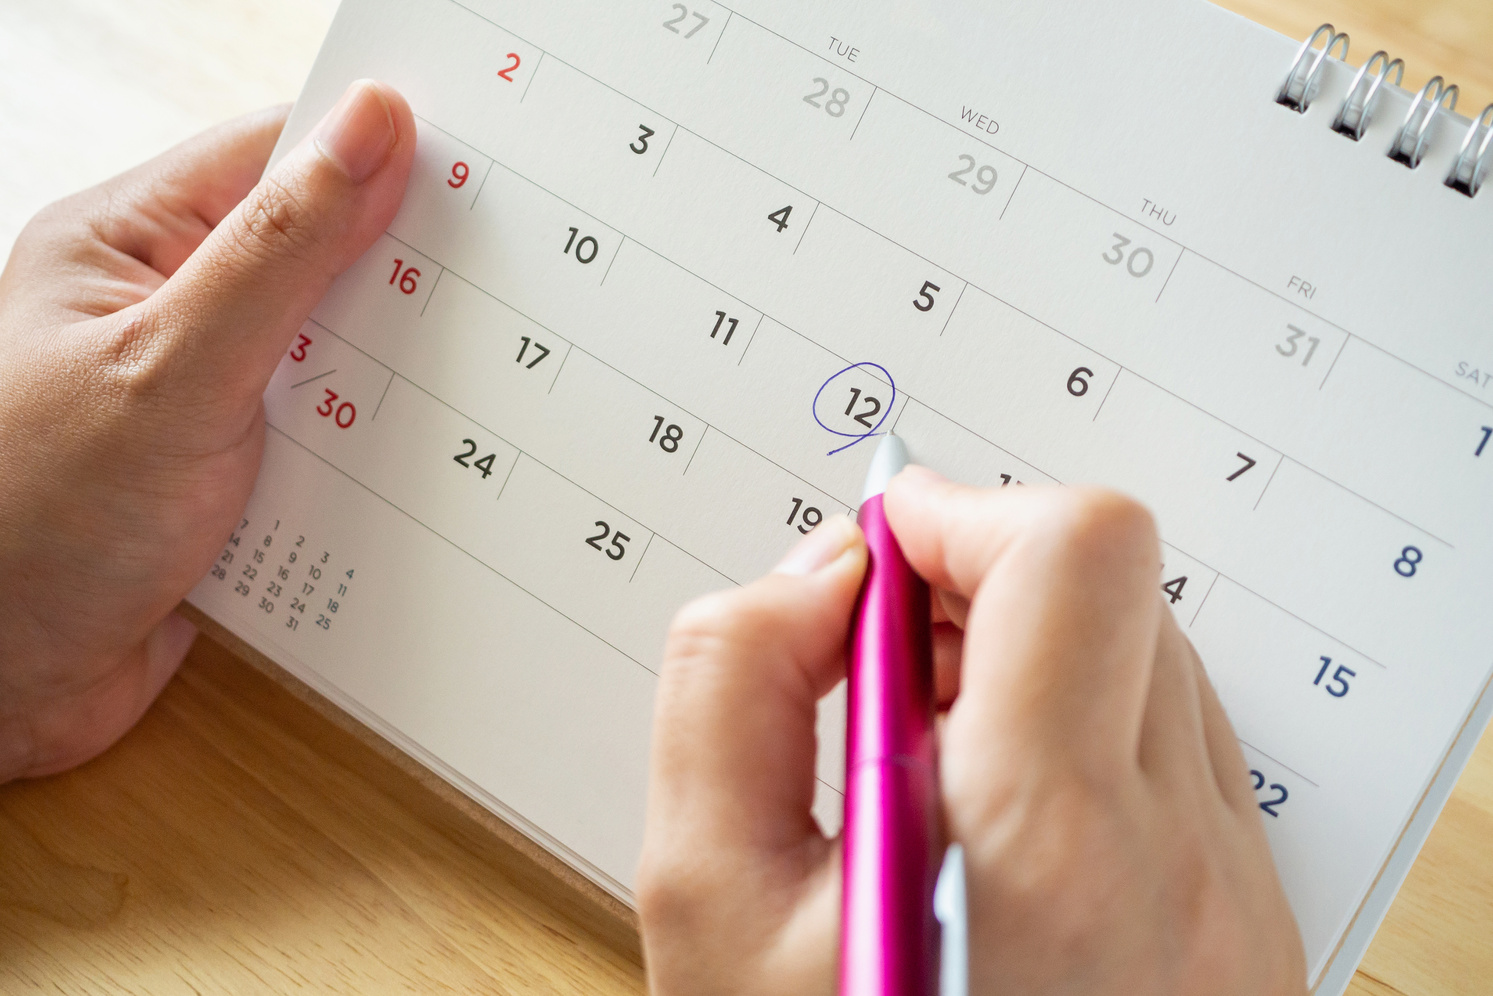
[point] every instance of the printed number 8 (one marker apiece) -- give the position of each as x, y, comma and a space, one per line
1410, 558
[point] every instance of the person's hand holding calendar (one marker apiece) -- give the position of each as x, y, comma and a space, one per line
139, 324
1112, 839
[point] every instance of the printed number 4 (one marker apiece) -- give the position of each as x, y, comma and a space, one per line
684, 14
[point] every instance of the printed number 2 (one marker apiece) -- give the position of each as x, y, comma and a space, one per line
507, 73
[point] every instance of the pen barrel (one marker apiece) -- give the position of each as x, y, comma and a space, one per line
888, 935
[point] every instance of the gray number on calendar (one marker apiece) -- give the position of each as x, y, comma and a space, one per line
1292, 345
985, 176
684, 14
1138, 261
835, 106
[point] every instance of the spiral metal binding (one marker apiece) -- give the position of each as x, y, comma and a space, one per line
1353, 117
1410, 141
1467, 172
1301, 82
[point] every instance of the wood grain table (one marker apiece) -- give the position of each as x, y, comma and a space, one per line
240, 842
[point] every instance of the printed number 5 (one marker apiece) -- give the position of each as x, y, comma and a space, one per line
684, 13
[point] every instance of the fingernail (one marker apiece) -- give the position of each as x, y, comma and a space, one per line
820, 548
358, 133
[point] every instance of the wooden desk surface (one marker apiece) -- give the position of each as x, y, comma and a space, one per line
238, 842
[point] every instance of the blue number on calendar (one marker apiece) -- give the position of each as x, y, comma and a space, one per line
841, 401
1410, 559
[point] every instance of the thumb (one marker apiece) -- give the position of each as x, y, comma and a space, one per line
731, 848
225, 318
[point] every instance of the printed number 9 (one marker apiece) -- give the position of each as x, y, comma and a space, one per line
459, 174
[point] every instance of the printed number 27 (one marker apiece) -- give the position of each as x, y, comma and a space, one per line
684, 14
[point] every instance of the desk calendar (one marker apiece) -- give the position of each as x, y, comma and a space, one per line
662, 270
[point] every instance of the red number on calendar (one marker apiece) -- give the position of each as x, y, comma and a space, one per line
344, 414
507, 74
299, 352
459, 174
405, 276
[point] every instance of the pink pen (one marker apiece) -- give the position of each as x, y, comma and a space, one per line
888, 935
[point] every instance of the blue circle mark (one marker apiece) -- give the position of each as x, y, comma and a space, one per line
886, 412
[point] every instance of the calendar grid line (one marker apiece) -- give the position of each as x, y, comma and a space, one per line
1026, 166
1256, 284
1012, 195
485, 174
950, 316
458, 547
1121, 368
437, 283
573, 347
1275, 470
533, 76
667, 146
750, 339
1333, 365
874, 91
1108, 391
1199, 610
635, 567
1394, 515
801, 235
1281, 764
379, 407
696, 451
729, 15
312, 380
1169, 273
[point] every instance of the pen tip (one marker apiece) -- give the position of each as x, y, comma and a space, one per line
891, 456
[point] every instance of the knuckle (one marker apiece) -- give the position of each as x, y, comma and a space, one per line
1064, 865
714, 622
1097, 523
273, 221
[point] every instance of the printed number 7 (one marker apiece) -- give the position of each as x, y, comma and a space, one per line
684, 13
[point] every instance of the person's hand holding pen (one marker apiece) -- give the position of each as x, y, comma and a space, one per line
1112, 840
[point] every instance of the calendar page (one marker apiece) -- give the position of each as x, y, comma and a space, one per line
664, 271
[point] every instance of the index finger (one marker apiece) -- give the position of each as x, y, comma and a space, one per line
1063, 622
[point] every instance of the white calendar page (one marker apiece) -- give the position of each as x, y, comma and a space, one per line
663, 267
